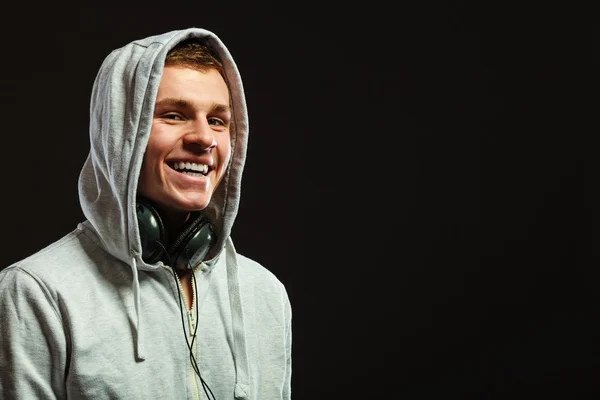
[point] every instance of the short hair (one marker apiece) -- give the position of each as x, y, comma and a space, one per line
197, 54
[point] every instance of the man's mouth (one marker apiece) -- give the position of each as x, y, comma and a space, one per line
189, 168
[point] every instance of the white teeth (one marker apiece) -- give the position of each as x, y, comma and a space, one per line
202, 168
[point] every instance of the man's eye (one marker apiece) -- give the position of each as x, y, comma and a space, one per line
174, 117
216, 121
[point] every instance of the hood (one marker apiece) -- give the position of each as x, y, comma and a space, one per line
121, 109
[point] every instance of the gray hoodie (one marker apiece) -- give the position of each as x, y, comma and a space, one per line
87, 318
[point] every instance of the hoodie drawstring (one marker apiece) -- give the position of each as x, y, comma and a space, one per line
138, 317
237, 314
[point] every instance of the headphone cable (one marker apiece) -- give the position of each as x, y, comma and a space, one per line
192, 358
193, 361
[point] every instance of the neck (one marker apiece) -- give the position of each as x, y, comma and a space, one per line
173, 221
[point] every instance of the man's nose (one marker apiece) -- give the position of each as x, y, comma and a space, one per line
201, 134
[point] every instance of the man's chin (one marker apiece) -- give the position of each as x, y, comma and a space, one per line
183, 204
194, 204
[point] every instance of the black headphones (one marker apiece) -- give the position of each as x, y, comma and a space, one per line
188, 248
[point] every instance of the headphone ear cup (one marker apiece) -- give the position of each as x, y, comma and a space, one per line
194, 242
151, 231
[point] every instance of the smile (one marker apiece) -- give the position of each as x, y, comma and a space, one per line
189, 168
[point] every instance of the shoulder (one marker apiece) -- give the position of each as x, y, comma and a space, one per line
66, 260
252, 271
260, 283
263, 291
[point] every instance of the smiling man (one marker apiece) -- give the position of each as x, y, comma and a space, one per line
148, 298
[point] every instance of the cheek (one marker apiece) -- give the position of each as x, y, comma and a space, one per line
160, 139
225, 145
152, 159
226, 155
146, 170
224, 150
228, 152
155, 150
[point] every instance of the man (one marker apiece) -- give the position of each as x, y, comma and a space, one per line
148, 298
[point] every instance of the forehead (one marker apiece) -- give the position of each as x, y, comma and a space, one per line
190, 82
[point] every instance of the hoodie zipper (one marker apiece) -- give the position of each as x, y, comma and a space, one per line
191, 329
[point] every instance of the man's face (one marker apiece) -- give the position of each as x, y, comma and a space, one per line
189, 146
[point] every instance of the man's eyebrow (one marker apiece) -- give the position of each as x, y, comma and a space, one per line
221, 108
181, 103
173, 102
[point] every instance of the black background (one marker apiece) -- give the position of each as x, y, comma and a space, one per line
415, 177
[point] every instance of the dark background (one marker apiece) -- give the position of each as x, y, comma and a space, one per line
415, 178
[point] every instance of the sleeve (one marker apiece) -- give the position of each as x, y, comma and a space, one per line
32, 339
287, 385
